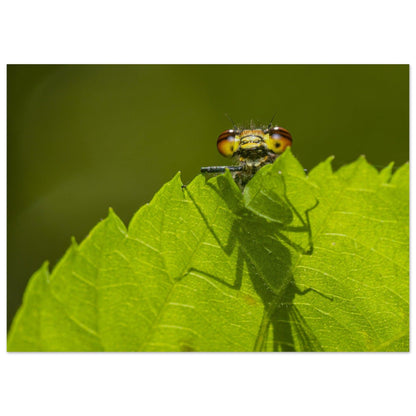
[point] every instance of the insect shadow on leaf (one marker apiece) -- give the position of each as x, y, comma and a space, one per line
256, 238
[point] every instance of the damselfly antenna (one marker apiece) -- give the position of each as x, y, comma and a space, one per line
232, 121
271, 121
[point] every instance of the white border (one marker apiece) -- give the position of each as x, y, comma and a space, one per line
194, 32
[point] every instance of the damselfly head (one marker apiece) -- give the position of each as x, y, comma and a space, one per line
253, 143
252, 147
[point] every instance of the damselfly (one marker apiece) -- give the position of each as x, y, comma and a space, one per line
252, 148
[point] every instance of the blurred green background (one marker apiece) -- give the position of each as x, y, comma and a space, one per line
82, 138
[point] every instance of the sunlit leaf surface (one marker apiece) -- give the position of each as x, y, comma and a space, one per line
315, 262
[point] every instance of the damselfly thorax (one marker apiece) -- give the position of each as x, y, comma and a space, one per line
252, 149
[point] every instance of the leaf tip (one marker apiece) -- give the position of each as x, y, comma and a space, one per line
386, 173
328, 162
288, 150
227, 174
112, 214
401, 176
45, 266
362, 161
178, 177
324, 168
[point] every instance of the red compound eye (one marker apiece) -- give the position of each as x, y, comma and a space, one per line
279, 139
226, 142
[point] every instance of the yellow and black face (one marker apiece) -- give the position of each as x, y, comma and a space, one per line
254, 143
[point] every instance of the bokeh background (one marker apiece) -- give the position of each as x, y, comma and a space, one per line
82, 138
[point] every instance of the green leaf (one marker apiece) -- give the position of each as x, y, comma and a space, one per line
296, 262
